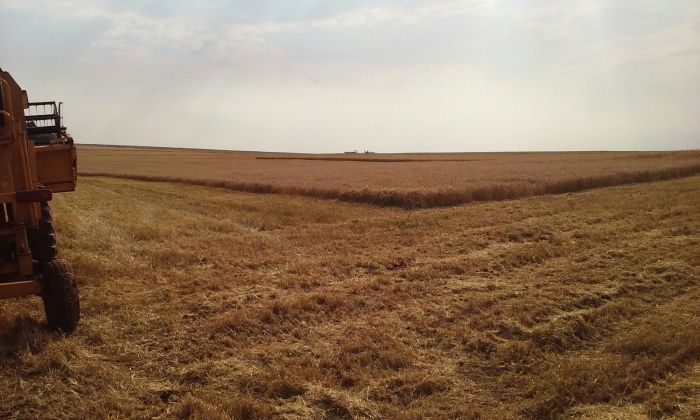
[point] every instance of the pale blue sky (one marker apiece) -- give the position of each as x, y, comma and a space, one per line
384, 75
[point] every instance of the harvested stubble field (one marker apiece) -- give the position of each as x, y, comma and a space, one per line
200, 302
406, 180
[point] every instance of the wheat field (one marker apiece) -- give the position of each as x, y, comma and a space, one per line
201, 302
405, 180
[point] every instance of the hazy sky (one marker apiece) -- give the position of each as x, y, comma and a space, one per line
383, 75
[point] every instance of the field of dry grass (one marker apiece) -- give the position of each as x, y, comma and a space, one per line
401, 180
205, 303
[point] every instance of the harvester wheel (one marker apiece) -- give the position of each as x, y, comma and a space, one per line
60, 295
42, 240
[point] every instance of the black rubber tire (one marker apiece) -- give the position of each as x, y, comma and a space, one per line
42, 239
60, 295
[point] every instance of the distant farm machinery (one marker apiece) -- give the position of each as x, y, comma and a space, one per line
37, 158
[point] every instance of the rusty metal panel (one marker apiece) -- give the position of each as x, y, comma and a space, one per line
19, 288
56, 166
23, 253
6, 183
8, 267
16, 150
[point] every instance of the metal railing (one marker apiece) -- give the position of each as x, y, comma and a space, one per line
43, 118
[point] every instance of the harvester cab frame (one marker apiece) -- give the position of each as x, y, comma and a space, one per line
44, 122
37, 158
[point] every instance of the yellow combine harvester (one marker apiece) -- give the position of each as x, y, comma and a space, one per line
37, 158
